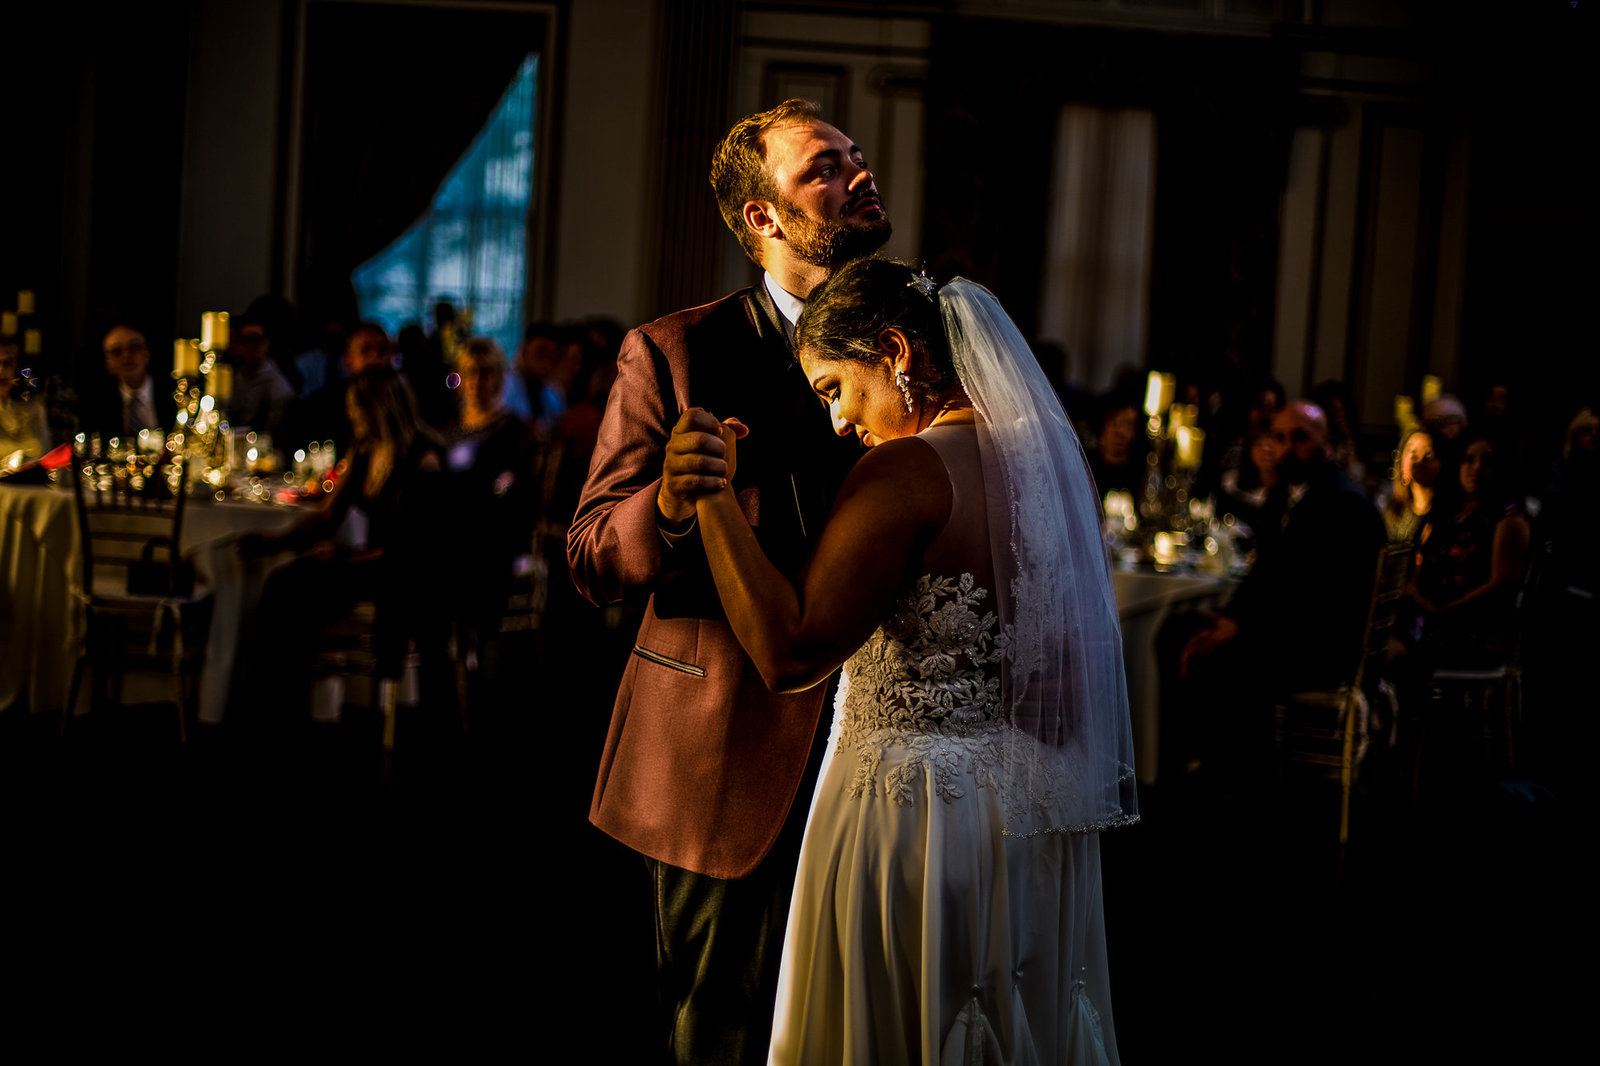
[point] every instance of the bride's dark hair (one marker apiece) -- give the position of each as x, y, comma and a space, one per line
844, 315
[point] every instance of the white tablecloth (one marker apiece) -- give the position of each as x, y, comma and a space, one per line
41, 625
1145, 599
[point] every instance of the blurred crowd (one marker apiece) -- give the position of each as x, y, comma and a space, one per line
458, 467
1495, 503
452, 449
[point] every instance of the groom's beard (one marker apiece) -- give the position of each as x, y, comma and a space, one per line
832, 242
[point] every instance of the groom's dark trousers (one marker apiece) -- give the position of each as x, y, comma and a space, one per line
705, 771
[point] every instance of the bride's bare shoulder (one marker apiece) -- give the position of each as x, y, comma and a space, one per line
907, 471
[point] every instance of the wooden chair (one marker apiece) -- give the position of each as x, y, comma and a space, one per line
1328, 727
142, 613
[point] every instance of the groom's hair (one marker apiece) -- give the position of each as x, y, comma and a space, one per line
739, 166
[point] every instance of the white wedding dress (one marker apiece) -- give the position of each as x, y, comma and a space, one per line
922, 929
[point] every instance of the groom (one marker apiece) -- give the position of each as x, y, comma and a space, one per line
705, 772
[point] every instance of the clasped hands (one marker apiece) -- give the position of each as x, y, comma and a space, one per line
701, 458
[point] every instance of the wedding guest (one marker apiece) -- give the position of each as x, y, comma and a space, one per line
1246, 488
1117, 456
1416, 478
1334, 399
428, 365
128, 398
391, 478
1296, 620
1470, 562
487, 454
536, 361
262, 395
323, 416
1445, 419
24, 429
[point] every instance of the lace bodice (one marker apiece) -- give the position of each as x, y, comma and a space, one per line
928, 682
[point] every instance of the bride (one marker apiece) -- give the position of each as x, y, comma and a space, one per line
947, 906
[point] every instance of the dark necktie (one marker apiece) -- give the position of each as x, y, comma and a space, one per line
137, 415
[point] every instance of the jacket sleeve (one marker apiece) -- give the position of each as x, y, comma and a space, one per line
613, 545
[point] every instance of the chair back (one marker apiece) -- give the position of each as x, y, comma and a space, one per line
1388, 589
126, 533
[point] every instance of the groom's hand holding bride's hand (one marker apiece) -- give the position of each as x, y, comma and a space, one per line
699, 460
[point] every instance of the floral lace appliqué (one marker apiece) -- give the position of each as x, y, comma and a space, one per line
927, 682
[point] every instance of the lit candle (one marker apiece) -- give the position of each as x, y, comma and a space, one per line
25, 302
8, 323
1404, 412
32, 342
222, 381
1159, 391
1191, 442
1431, 388
185, 357
214, 331
1166, 549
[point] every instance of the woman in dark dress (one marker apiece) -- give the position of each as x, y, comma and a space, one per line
489, 459
1470, 561
372, 539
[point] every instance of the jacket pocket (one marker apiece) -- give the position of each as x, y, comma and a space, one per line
668, 661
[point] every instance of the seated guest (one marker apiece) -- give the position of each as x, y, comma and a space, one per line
1445, 419
536, 362
1334, 399
1296, 620
1416, 477
24, 430
1117, 452
1470, 560
493, 492
391, 478
322, 417
261, 394
127, 399
1246, 488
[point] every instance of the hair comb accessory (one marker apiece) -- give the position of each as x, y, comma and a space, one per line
924, 284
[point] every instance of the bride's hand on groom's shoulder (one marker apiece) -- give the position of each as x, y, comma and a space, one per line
699, 461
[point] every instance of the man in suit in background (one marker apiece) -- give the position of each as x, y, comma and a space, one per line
705, 772
128, 399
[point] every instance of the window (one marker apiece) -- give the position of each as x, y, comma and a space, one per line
470, 246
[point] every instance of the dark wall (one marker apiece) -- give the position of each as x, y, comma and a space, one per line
1224, 115
92, 205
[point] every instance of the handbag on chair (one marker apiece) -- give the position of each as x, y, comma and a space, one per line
149, 577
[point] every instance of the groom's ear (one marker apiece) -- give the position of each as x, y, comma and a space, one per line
760, 217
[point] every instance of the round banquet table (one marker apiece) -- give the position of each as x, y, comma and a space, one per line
41, 622
1145, 599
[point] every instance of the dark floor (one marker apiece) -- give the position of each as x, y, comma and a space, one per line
456, 888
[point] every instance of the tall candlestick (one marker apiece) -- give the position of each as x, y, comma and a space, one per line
8, 323
25, 302
185, 357
222, 381
1431, 389
214, 331
32, 342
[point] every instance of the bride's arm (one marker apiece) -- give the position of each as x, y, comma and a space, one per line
895, 502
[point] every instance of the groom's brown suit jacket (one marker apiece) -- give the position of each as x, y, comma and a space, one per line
702, 762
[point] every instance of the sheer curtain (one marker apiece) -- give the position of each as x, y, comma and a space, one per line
469, 246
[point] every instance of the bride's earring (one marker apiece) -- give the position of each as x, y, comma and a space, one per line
903, 383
